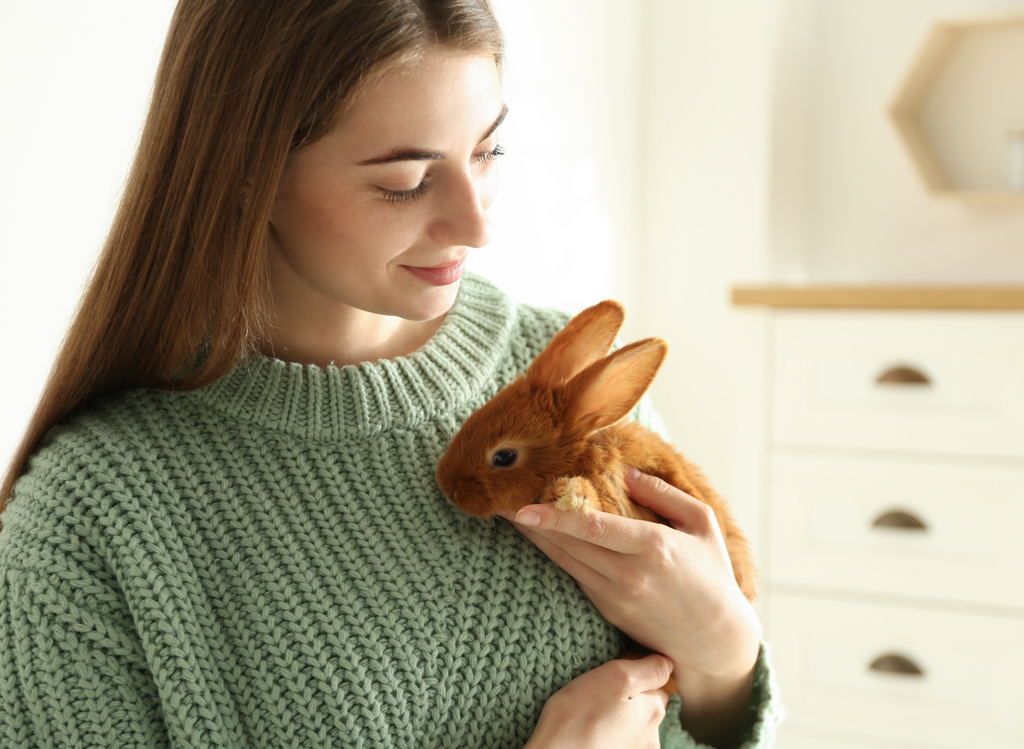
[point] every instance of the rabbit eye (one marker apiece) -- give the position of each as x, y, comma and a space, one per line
504, 458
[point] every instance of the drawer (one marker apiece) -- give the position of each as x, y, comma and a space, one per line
969, 692
833, 372
849, 524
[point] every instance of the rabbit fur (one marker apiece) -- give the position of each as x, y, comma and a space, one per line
558, 434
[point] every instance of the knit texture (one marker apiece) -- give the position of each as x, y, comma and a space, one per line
268, 563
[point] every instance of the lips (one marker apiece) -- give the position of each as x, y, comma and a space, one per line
440, 275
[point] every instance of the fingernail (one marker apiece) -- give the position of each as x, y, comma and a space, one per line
632, 473
528, 517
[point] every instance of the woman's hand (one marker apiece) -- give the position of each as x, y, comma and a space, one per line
670, 588
617, 705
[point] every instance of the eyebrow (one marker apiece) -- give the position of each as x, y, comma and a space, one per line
417, 154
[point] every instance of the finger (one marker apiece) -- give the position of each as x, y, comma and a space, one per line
649, 674
613, 532
662, 695
686, 513
582, 566
661, 699
565, 550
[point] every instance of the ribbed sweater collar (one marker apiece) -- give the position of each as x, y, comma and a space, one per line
355, 401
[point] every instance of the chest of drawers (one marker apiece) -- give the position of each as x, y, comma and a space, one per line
894, 548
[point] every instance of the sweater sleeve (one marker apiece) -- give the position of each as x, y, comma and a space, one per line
72, 669
763, 718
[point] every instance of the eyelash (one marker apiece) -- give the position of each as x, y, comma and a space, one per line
402, 196
492, 155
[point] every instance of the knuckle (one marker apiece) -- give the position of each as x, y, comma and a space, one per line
660, 709
593, 527
707, 515
659, 485
661, 550
645, 589
623, 681
637, 586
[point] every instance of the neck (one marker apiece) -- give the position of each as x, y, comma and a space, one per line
349, 337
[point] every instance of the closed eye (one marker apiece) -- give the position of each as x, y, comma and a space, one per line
401, 196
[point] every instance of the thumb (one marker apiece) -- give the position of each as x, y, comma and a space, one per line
651, 672
649, 490
685, 512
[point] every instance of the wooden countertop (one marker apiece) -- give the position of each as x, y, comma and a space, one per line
880, 297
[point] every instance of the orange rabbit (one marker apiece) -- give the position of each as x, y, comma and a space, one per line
557, 434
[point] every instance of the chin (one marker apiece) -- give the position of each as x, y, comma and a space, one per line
431, 304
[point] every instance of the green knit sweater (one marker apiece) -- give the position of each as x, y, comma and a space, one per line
267, 562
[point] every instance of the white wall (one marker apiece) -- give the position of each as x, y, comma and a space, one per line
847, 202
74, 80
565, 222
705, 182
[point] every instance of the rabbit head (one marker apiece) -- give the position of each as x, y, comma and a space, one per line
537, 428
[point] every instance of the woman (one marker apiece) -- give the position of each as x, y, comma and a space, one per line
222, 527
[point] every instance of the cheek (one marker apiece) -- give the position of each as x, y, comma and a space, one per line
330, 228
321, 229
323, 214
299, 217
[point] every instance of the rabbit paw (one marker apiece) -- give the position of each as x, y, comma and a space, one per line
574, 494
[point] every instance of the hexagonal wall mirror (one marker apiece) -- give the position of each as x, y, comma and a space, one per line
960, 111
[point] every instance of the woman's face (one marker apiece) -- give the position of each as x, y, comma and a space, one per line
380, 214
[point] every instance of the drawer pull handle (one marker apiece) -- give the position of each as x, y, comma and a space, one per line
903, 376
895, 664
899, 519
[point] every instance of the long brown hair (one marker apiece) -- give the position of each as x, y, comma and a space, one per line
181, 291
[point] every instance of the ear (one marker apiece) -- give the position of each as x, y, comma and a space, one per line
588, 336
609, 389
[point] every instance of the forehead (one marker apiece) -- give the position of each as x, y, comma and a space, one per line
440, 96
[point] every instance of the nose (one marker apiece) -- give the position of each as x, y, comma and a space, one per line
462, 219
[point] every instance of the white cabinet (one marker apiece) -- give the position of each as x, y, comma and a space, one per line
894, 562
838, 381
937, 531
833, 658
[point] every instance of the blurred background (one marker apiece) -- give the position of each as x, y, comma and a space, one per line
666, 152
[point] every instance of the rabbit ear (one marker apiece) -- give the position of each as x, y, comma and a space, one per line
609, 389
584, 340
